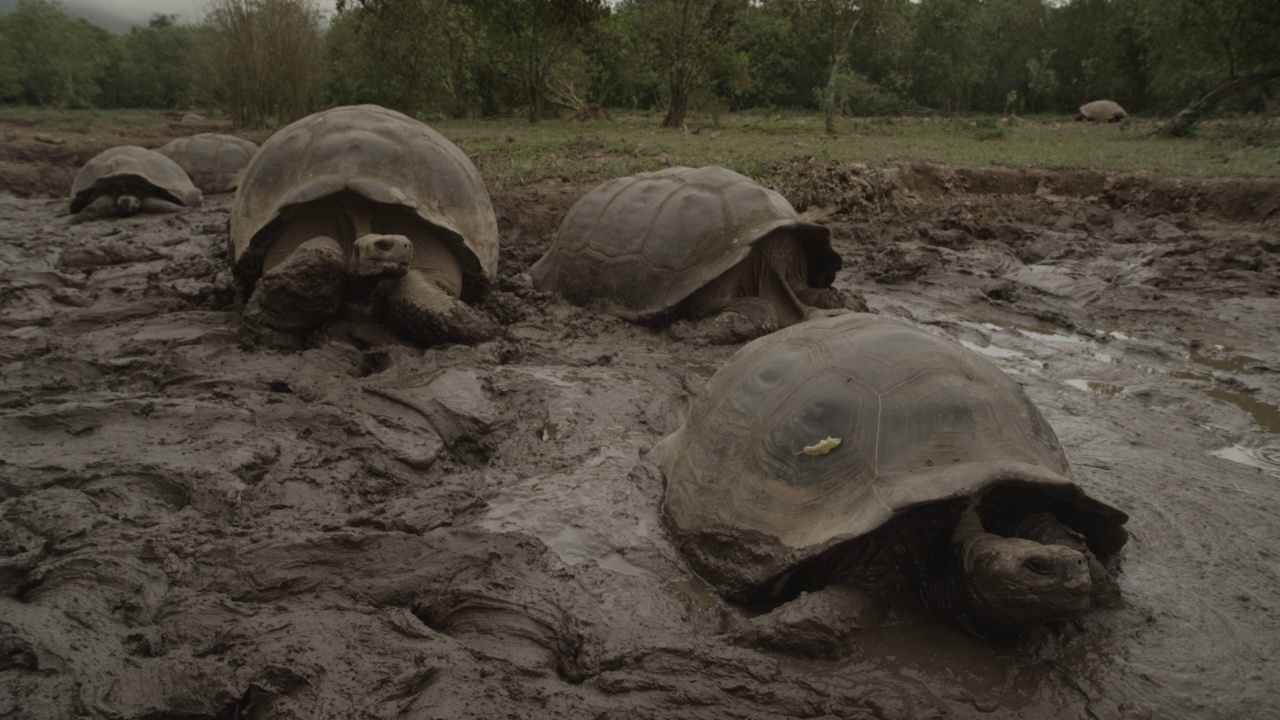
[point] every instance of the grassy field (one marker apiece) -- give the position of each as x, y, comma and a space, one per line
512, 152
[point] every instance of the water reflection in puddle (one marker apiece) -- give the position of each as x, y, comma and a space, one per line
992, 350
697, 593
1266, 459
699, 368
1265, 414
1095, 386
1239, 364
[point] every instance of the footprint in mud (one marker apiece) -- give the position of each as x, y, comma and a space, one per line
534, 639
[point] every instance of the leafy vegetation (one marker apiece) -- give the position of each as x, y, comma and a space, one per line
270, 61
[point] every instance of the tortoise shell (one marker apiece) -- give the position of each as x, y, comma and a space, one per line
136, 165
919, 419
214, 162
637, 246
380, 154
1103, 110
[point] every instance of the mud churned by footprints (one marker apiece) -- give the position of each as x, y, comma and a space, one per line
195, 527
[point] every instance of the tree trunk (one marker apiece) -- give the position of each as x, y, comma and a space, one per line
411, 92
535, 105
679, 106
1182, 123
830, 109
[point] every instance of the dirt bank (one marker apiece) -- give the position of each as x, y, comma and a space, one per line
190, 528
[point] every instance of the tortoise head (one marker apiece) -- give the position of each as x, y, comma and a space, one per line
381, 256
128, 204
128, 198
1019, 583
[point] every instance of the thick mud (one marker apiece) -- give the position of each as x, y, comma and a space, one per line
192, 527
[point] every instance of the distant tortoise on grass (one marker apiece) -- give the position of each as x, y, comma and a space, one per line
1101, 111
359, 202
705, 244
858, 455
128, 179
214, 162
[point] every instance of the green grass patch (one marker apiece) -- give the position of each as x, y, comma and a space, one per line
513, 152
81, 121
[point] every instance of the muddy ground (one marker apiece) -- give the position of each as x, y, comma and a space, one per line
193, 528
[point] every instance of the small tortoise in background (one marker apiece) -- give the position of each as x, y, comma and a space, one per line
359, 202
859, 452
128, 179
213, 162
1101, 111
705, 244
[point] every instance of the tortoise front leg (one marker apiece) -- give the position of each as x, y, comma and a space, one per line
419, 309
302, 291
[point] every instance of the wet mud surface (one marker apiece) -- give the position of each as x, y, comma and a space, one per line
191, 527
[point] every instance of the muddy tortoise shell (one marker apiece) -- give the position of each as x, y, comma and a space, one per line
213, 161
920, 419
637, 246
1103, 110
133, 164
380, 154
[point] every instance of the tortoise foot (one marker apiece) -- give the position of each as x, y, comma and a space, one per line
821, 624
743, 320
832, 299
422, 312
300, 293
460, 324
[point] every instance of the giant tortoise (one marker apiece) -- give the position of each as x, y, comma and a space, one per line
127, 179
693, 243
862, 451
358, 203
1101, 111
214, 162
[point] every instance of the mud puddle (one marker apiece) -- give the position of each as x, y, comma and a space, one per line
193, 528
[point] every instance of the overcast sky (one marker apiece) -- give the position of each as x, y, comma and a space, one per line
120, 15
135, 12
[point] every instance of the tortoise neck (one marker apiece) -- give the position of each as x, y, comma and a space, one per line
946, 587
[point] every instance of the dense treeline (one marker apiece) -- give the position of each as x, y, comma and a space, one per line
273, 60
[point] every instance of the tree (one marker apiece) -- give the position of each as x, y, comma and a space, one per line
57, 60
263, 59
405, 38
613, 53
153, 66
1231, 44
784, 59
948, 61
688, 39
839, 21
1093, 50
539, 36
1182, 123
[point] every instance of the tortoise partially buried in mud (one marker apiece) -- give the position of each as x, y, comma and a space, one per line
862, 452
363, 202
213, 161
704, 244
128, 179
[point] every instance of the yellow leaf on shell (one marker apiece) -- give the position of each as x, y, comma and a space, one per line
822, 447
